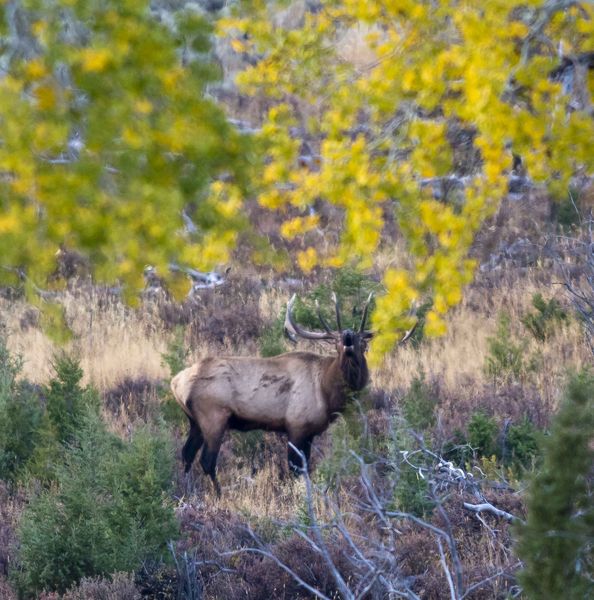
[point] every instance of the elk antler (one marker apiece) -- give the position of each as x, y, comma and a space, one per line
322, 320
292, 327
364, 318
337, 307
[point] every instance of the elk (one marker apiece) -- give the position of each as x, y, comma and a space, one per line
298, 393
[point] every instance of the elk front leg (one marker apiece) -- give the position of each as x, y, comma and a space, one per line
303, 444
213, 438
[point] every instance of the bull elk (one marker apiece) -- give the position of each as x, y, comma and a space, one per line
298, 393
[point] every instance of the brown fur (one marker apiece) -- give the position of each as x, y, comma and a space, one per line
298, 393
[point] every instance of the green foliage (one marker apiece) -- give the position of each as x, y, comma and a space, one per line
522, 445
352, 288
555, 544
418, 404
68, 405
20, 416
412, 492
67, 402
347, 435
271, 341
548, 316
105, 513
176, 356
567, 211
506, 360
482, 434
107, 126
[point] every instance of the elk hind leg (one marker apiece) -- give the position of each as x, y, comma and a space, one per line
192, 445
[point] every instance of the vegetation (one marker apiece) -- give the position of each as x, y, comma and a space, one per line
106, 512
556, 541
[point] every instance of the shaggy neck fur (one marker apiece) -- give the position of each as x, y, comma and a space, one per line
345, 374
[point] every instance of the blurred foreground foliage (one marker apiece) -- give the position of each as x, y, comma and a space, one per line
107, 136
382, 92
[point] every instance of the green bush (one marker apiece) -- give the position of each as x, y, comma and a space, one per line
482, 435
548, 316
418, 404
20, 416
106, 511
555, 543
175, 359
522, 445
352, 289
177, 353
68, 406
271, 341
506, 360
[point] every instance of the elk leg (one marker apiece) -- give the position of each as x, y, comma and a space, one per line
192, 445
213, 438
303, 444
208, 460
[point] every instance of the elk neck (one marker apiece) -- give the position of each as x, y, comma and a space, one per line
342, 376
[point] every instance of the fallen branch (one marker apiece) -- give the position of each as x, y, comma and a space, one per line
488, 507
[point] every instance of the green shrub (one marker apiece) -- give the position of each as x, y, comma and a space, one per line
175, 359
567, 210
352, 289
272, 341
418, 404
555, 543
412, 492
177, 353
67, 402
506, 360
522, 445
68, 406
548, 316
20, 416
482, 434
106, 511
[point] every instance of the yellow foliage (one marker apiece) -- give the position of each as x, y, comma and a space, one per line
94, 60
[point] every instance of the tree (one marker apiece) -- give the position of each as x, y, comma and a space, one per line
556, 543
106, 136
380, 91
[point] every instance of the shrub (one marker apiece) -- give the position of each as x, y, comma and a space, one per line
68, 405
119, 586
271, 341
542, 323
175, 358
482, 434
506, 360
20, 416
105, 512
352, 289
177, 353
521, 445
555, 543
418, 404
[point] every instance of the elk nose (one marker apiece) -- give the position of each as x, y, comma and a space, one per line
347, 339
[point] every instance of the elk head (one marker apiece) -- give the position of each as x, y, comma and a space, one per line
350, 344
